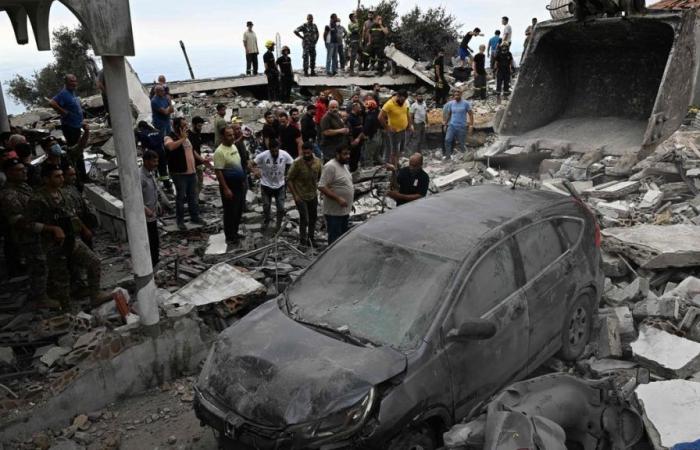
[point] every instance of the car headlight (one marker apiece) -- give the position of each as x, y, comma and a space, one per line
341, 422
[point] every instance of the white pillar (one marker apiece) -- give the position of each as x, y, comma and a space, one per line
4, 121
129, 179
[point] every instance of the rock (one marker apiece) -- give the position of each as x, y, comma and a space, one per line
690, 324
656, 307
609, 344
7, 356
651, 200
671, 411
53, 354
614, 266
603, 367
665, 354
172, 440
619, 209
82, 422
655, 246
628, 332
614, 189
636, 290
685, 291
83, 438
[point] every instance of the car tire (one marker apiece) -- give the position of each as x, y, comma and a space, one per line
415, 438
577, 328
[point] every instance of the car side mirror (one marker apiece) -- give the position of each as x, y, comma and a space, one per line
473, 330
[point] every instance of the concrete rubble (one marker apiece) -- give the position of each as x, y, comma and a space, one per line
671, 412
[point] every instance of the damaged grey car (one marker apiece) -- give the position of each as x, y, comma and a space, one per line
408, 324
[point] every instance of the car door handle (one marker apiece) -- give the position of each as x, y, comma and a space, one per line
517, 311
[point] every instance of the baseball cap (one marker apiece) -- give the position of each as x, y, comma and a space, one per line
56, 150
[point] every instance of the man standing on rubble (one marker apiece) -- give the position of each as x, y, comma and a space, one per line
181, 163
504, 69
334, 132
492, 49
455, 116
308, 33
151, 139
67, 104
289, 136
355, 122
528, 37
354, 42
230, 164
272, 166
465, 52
151, 202
411, 183
250, 43
197, 139
273, 75
219, 123
396, 121
23, 250
365, 56
338, 194
303, 179
49, 207
78, 205
507, 30
376, 43
371, 134
331, 36
161, 109
479, 68
442, 88
284, 63
419, 115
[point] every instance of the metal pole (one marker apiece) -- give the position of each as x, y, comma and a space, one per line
129, 179
4, 120
182, 45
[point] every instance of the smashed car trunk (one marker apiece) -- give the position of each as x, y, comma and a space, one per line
620, 84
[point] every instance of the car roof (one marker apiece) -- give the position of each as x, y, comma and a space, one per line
450, 224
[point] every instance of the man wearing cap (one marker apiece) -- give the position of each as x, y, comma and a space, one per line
308, 33
284, 63
49, 208
23, 252
273, 75
250, 43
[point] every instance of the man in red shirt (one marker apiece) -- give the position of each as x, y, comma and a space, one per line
321, 107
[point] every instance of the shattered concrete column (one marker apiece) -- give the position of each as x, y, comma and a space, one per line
120, 112
4, 121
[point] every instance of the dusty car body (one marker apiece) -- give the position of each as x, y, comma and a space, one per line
408, 323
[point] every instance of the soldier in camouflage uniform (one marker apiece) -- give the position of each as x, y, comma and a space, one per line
79, 206
308, 33
50, 207
22, 236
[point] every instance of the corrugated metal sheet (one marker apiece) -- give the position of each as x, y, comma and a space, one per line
676, 4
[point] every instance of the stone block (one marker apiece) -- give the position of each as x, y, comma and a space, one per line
636, 290
614, 266
651, 200
671, 411
216, 245
615, 210
690, 324
665, 354
614, 190
609, 343
655, 246
454, 177
657, 307
628, 332
7, 357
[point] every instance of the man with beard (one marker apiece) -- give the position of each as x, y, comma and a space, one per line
334, 133
412, 181
339, 192
290, 137
303, 179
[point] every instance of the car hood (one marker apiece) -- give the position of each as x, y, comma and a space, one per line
276, 372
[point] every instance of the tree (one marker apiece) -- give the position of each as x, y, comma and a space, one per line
71, 49
421, 34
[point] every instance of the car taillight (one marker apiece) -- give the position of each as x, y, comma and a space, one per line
597, 237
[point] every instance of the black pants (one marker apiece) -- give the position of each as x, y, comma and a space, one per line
13, 259
441, 91
233, 209
273, 85
503, 81
153, 241
72, 136
377, 55
355, 155
286, 87
251, 63
308, 213
480, 86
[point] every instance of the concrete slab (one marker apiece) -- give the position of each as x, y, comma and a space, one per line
216, 244
651, 200
671, 411
214, 84
615, 190
666, 354
221, 282
656, 246
454, 177
137, 93
408, 63
344, 81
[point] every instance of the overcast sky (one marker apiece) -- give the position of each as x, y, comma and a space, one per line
212, 31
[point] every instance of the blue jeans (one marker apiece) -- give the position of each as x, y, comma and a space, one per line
458, 133
336, 227
331, 58
186, 191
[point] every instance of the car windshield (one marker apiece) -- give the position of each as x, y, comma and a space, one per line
381, 292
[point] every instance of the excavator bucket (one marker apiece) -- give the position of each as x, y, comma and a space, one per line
617, 84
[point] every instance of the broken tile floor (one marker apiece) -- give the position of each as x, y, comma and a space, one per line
647, 337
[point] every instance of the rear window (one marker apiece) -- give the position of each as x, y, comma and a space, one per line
539, 246
571, 230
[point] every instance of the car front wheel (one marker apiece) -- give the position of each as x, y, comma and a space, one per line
421, 438
577, 329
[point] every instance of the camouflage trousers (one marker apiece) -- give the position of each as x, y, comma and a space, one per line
34, 260
309, 57
60, 268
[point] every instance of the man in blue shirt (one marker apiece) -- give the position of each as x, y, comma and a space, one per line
455, 115
161, 108
492, 48
67, 104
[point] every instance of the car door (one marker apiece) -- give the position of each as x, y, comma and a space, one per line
491, 291
547, 263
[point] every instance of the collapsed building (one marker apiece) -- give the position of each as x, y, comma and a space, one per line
623, 139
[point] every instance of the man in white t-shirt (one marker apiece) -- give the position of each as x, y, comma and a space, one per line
271, 167
419, 114
507, 30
